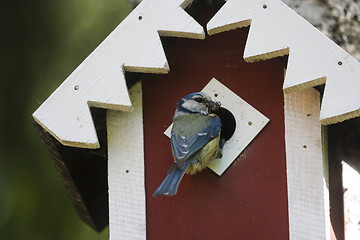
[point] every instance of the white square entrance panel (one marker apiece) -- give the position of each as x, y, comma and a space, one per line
249, 122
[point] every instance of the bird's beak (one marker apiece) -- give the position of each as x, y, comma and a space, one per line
213, 106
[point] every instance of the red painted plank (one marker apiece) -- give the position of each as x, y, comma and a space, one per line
249, 201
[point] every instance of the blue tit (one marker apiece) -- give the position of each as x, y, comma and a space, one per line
195, 138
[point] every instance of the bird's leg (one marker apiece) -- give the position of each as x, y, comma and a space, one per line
221, 146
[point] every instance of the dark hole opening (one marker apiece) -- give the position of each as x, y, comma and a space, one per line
228, 123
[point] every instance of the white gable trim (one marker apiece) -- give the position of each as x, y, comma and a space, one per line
276, 30
126, 170
307, 180
99, 80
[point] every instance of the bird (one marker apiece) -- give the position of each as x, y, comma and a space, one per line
195, 139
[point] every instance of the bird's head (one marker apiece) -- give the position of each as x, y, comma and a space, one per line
197, 102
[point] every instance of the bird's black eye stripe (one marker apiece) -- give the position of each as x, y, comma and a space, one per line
199, 99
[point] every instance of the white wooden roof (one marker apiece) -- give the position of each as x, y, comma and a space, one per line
135, 45
99, 80
314, 59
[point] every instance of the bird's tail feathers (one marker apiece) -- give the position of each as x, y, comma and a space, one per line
171, 183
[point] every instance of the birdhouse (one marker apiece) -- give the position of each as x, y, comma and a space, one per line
280, 81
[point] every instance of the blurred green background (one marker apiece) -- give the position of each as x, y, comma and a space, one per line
44, 41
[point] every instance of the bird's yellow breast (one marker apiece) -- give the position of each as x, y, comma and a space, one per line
203, 157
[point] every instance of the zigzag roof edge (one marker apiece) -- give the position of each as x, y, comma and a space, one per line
99, 80
314, 59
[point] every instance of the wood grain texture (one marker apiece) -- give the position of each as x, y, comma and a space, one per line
126, 171
314, 59
308, 197
99, 80
351, 183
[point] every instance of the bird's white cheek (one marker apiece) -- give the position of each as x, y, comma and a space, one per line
194, 106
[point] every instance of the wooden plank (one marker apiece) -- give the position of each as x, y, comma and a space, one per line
249, 201
126, 171
308, 200
99, 80
276, 30
351, 184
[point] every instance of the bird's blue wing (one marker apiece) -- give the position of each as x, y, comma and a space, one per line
171, 183
185, 146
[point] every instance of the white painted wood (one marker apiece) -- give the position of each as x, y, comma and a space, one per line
308, 197
276, 30
99, 80
351, 184
127, 216
244, 133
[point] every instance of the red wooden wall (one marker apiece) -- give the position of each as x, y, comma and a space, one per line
249, 201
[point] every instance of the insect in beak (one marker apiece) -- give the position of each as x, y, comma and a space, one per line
213, 106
